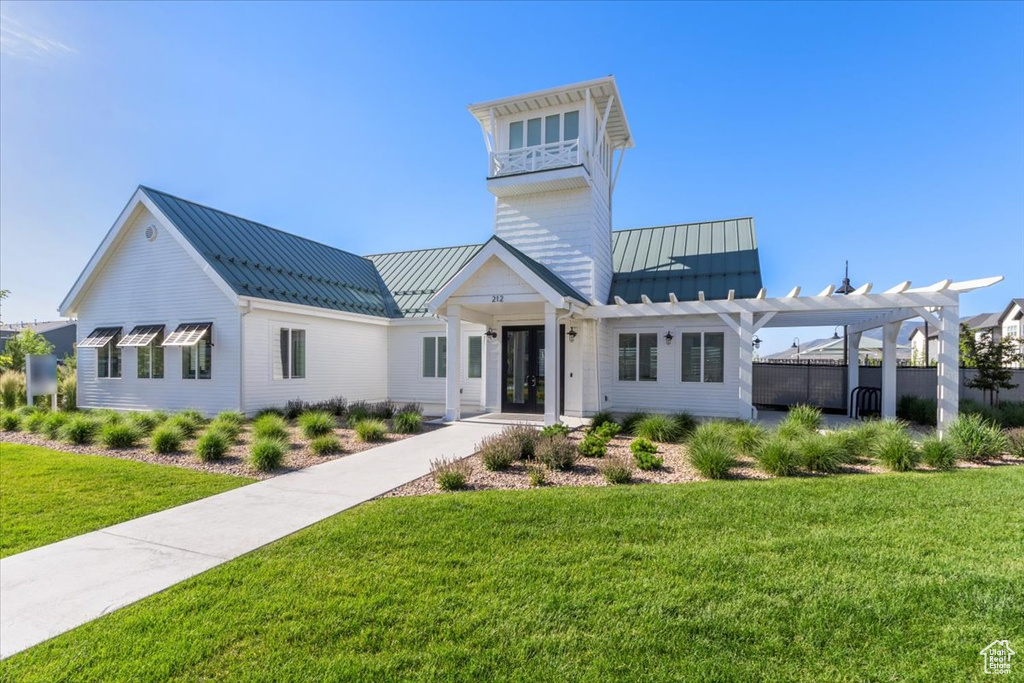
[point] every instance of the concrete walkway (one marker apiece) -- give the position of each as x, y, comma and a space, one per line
49, 590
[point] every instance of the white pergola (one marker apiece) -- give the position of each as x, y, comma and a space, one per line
859, 311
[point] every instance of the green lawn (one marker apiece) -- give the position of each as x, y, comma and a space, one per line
46, 496
870, 577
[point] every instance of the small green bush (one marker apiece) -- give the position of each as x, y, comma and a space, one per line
712, 450
656, 427
616, 471
778, 456
748, 437
371, 430
212, 446
228, 428
194, 416
976, 439
10, 421
557, 429
921, 411
144, 423
630, 421
270, 426
599, 419
316, 423
938, 453
525, 437
593, 446
166, 438
556, 452
119, 435
80, 429
897, 451
1015, 442
451, 474
647, 461
686, 424
53, 424
537, 475
408, 422
642, 445
34, 422
187, 427
357, 412
607, 431
325, 445
497, 452
25, 411
820, 454
107, 416
807, 416
267, 454
232, 416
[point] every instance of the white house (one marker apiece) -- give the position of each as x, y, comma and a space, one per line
187, 306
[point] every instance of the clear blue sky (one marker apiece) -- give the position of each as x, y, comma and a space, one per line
888, 134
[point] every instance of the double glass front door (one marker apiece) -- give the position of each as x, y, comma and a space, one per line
522, 362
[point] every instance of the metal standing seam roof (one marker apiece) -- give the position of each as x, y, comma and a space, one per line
685, 259
415, 276
263, 262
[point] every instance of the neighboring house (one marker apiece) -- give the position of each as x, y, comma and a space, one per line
1011, 324
183, 305
61, 333
870, 350
982, 323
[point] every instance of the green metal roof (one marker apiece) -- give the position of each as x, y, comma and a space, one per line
415, 276
545, 273
684, 259
266, 263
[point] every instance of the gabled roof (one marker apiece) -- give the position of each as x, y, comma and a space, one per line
543, 272
981, 321
712, 257
1019, 303
415, 276
263, 262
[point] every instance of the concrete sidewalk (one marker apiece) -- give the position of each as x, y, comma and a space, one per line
49, 590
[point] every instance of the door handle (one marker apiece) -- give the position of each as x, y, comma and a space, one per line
533, 380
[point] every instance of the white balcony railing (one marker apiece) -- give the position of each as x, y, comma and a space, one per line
537, 158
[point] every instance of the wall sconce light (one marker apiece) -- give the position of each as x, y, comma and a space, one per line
491, 334
572, 334
668, 338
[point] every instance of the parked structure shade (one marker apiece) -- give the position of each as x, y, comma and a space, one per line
141, 335
99, 337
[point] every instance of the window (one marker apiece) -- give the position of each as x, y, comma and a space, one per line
435, 356
703, 356
108, 358
292, 357
476, 354
195, 340
638, 357
547, 130
151, 358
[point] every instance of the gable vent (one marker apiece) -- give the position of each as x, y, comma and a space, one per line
151, 232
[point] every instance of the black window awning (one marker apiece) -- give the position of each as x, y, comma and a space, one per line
141, 335
99, 337
188, 334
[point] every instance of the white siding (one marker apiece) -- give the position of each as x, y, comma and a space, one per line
157, 282
343, 358
406, 380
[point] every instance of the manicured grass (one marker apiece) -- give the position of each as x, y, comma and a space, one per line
47, 496
884, 577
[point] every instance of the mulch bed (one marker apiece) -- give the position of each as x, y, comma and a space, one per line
298, 456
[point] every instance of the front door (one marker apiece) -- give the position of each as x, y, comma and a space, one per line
522, 362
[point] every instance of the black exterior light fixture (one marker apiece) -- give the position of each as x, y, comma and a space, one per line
572, 334
844, 289
491, 334
756, 341
668, 338
835, 333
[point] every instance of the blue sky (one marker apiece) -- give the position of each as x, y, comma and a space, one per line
891, 135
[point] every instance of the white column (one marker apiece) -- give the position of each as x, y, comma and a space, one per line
889, 333
746, 369
852, 367
452, 395
551, 387
948, 370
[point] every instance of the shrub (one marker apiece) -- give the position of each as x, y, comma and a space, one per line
938, 453
267, 454
525, 437
600, 419
318, 423
12, 389
357, 412
212, 445
593, 446
616, 471
686, 424
294, 408
270, 427
807, 416
556, 452
325, 445
1015, 442
647, 461
107, 416
232, 416
897, 451
383, 410
412, 407
186, 426
657, 428
268, 411
629, 422
1007, 414
450, 474
371, 430
144, 423
33, 422
607, 431
228, 428
498, 452
778, 456
335, 405
408, 422
193, 416
119, 435
820, 454
921, 411
748, 437
974, 438
67, 391
166, 438
80, 429
712, 450
53, 424
537, 475
9, 421
557, 429
642, 445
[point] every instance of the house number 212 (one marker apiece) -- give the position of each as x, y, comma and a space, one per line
497, 298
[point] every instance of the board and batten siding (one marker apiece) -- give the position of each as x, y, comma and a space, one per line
156, 282
406, 380
343, 358
670, 394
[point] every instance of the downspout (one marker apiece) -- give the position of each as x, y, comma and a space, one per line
241, 355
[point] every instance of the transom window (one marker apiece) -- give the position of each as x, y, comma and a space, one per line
638, 357
292, 354
435, 357
544, 130
703, 355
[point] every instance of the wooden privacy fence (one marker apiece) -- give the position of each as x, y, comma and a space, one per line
784, 384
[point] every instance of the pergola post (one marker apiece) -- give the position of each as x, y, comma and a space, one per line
551, 352
890, 331
948, 370
852, 366
746, 369
452, 394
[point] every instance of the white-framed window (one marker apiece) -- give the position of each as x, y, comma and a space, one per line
108, 359
475, 363
291, 356
435, 357
197, 359
544, 130
638, 357
703, 356
151, 358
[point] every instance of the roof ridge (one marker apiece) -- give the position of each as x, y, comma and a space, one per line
679, 225
411, 251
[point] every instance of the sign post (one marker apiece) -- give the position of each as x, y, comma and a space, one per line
41, 378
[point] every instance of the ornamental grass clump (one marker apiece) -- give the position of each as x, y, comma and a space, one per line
897, 451
267, 454
820, 454
212, 446
600, 419
645, 454
53, 424
525, 438
748, 437
34, 422
450, 474
616, 471
536, 475
357, 412
630, 421
166, 438
80, 430
187, 427
656, 427
12, 389
194, 416
270, 426
10, 421
938, 453
778, 456
975, 439
325, 445
119, 435
371, 430
408, 422
233, 416
686, 425
808, 417
228, 428
556, 453
316, 423
1015, 442
712, 450
498, 452
144, 423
